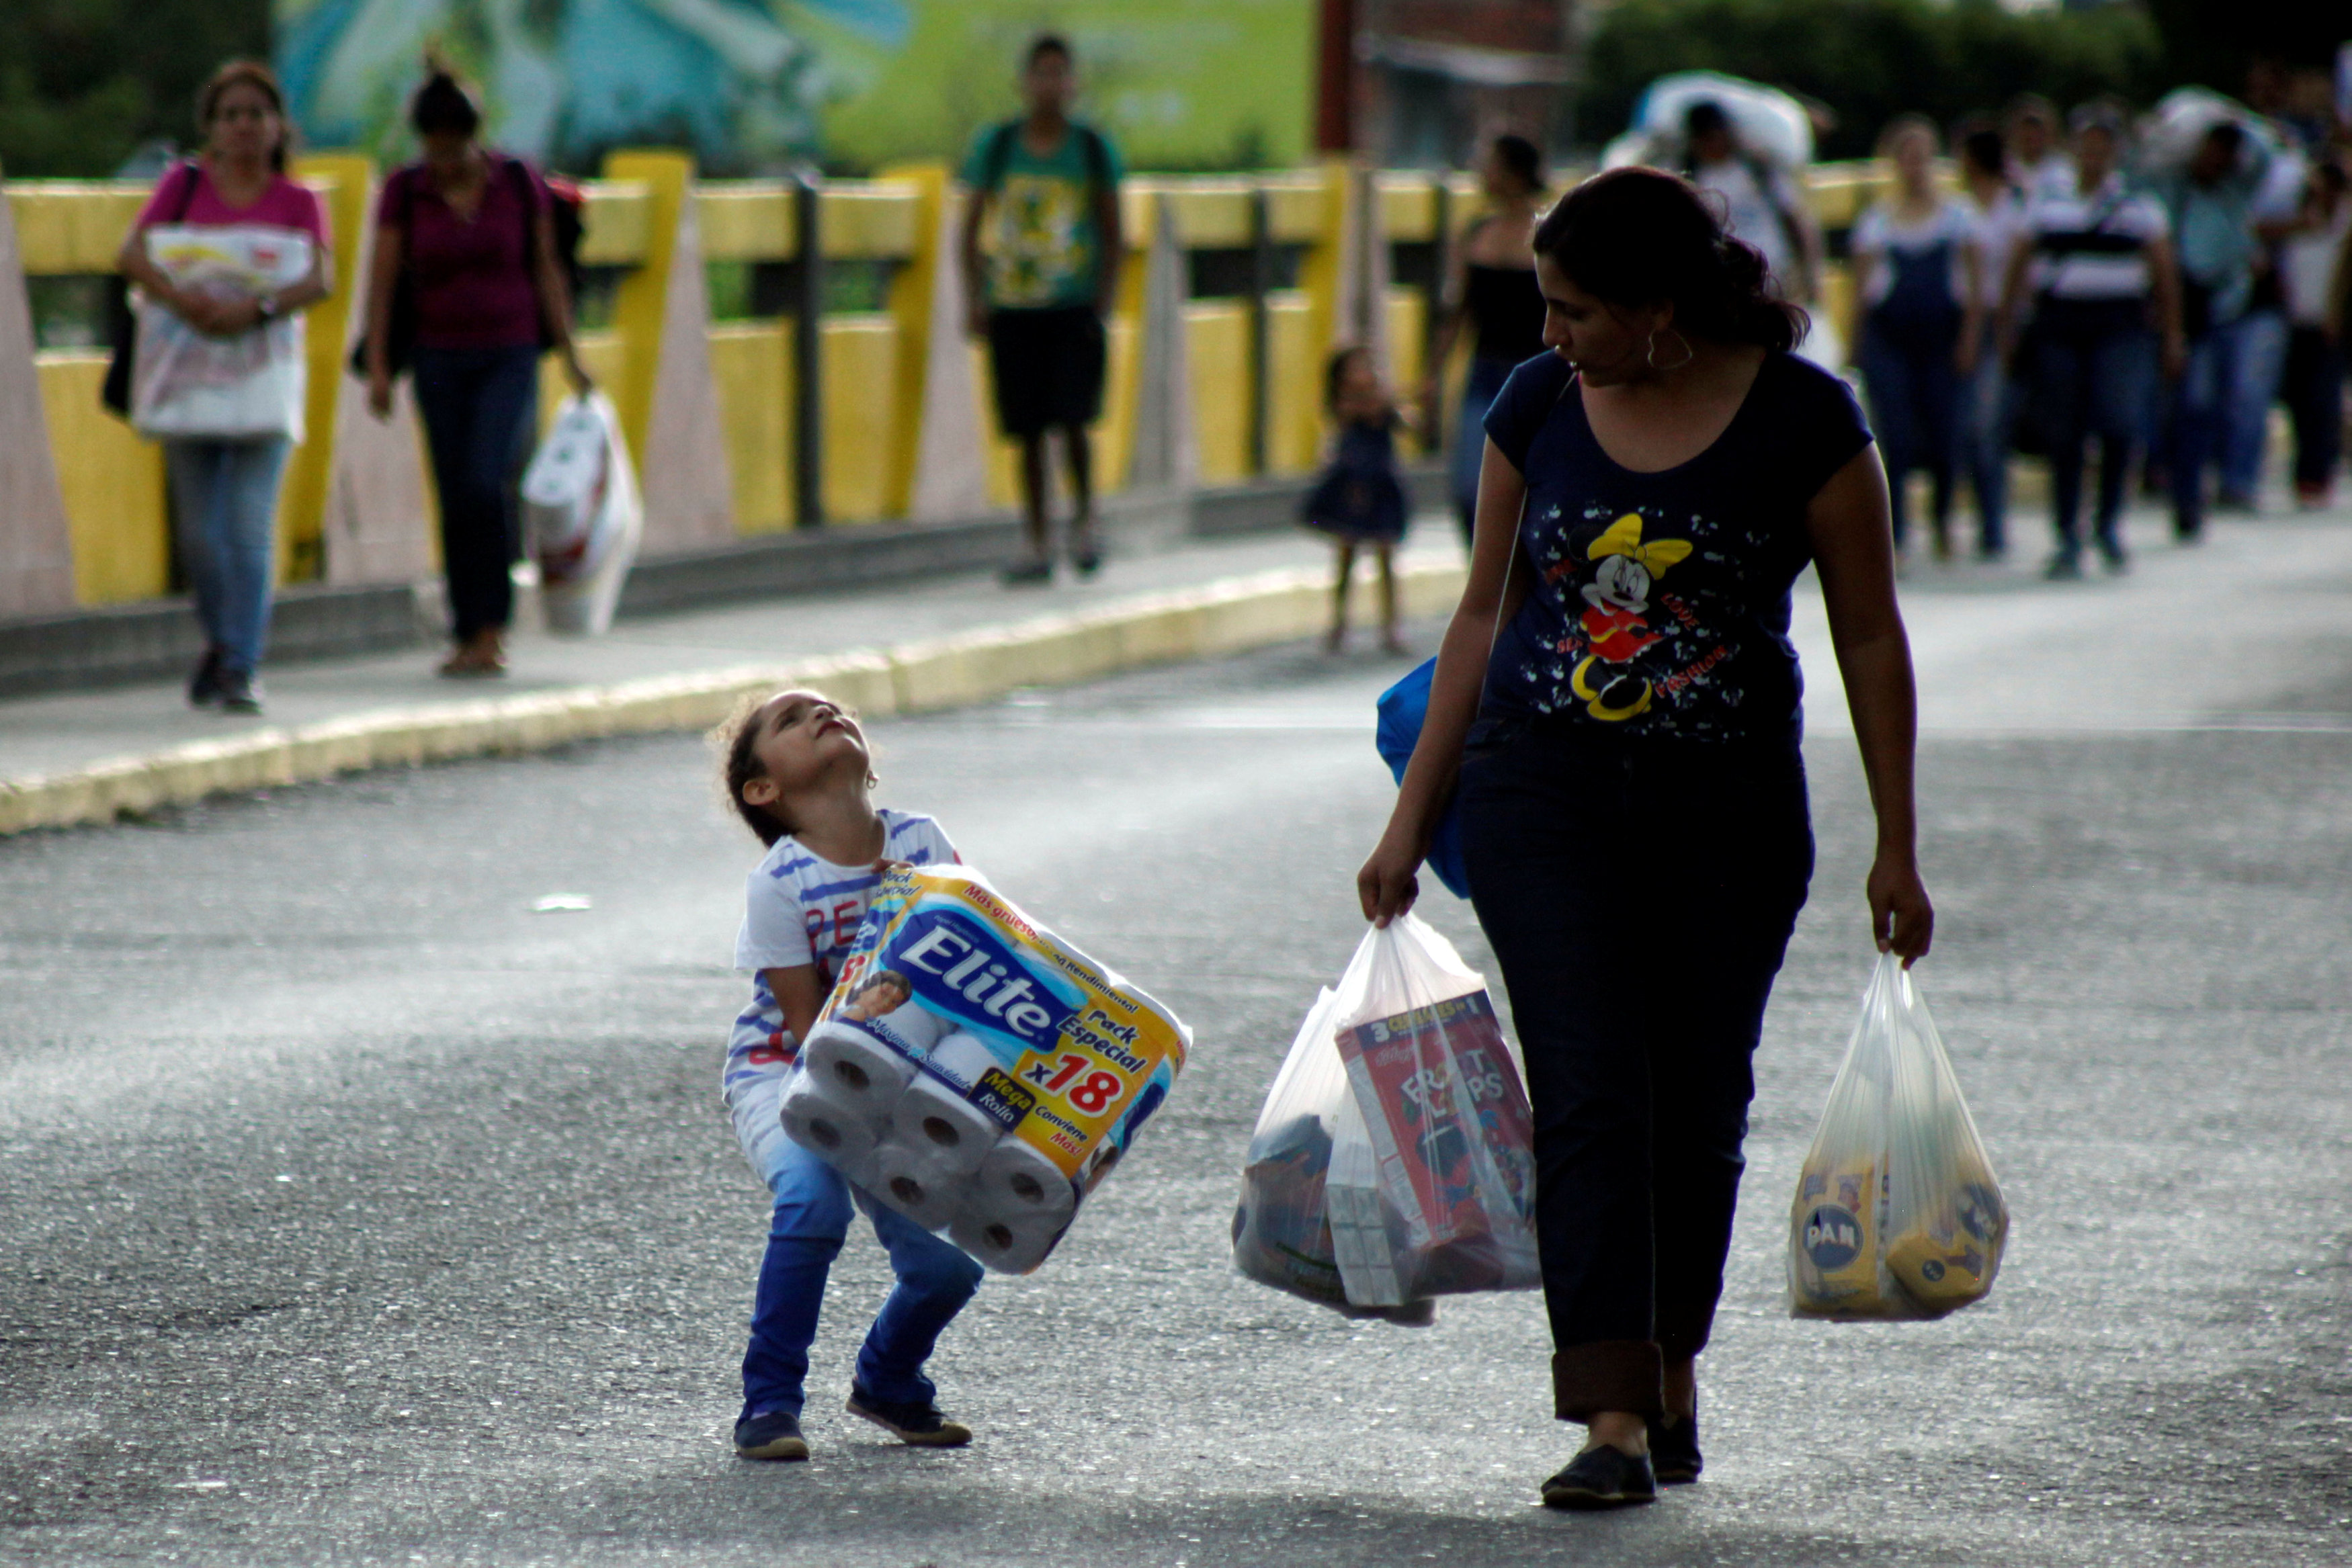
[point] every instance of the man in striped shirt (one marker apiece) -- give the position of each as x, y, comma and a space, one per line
2096, 293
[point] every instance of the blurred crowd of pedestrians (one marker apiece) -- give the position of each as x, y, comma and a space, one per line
2147, 290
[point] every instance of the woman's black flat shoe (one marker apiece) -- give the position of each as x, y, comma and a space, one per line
1602, 1477
1674, 1451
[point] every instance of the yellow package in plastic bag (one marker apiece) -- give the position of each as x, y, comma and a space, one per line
1898, 1213
1832, 1245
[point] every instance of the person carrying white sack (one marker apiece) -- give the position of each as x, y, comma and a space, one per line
225, 482
798, 772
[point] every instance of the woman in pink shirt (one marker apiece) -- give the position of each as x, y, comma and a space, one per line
469, 233
225, 492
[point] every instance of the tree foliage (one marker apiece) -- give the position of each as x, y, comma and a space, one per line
1869, 60
84, 83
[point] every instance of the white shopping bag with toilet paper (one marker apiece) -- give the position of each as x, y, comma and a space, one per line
583, 514
975, 1072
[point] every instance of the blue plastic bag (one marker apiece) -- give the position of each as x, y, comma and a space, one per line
1403, 708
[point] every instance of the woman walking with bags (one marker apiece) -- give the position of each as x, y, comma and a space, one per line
225, 479
466, 242
1616, 704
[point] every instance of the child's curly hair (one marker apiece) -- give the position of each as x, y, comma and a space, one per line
739, 764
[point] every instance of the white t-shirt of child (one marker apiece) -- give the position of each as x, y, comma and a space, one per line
798, 910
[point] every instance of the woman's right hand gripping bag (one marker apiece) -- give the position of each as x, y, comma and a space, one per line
1897, 1214
1394, 1159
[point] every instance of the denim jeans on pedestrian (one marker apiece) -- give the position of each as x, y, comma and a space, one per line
1486, 377
809, 1222
481, 408
2313, 386
224, 501
1984, 427
1914, 391
2221, 410
2093, 367
2259, 367
1638, 895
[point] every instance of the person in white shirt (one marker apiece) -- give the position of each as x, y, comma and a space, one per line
2096, 271
2314, 272
799, 774
1917, 296
2037, 162
1988, 393
1763, 203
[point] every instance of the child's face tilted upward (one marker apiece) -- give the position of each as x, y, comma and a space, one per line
805, 741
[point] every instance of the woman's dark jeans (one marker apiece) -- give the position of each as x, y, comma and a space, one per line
1639, 894
481, 414
1915, 406
2093, 365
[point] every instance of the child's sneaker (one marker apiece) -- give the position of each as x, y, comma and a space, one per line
775, 1435
921, 1425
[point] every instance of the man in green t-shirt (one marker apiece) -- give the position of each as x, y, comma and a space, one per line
1047, 188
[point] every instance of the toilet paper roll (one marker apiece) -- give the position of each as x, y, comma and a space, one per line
914, 1026
1014, 1246
961, 1058
855, 1068
1018, 1185
835, 1131
910, 1181
950, 1130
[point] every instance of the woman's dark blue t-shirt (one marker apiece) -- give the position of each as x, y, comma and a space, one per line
1660, 604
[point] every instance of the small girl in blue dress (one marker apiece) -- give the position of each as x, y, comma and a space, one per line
1359, 498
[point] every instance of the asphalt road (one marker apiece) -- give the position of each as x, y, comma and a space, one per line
358, 1214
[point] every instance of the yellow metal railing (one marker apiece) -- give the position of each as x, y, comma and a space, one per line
1256, 358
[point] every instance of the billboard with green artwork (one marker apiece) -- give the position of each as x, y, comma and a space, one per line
752, 85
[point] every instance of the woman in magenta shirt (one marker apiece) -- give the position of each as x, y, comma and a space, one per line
469, 232
225, 492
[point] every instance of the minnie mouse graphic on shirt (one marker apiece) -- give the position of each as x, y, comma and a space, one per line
1636, 641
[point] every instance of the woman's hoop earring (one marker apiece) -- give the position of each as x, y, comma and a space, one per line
1689, 353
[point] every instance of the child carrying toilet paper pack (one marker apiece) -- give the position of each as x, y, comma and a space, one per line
975, 1072
799, 773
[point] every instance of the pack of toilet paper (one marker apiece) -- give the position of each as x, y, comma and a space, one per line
976, 1072
1898, 1213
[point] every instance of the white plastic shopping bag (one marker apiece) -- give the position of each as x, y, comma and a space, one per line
1897, 1214
1400, 1102
583, 514
186, 383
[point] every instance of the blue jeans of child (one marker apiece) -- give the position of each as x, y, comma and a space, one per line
481, 408
225, 495
1638, 965
809, 1222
